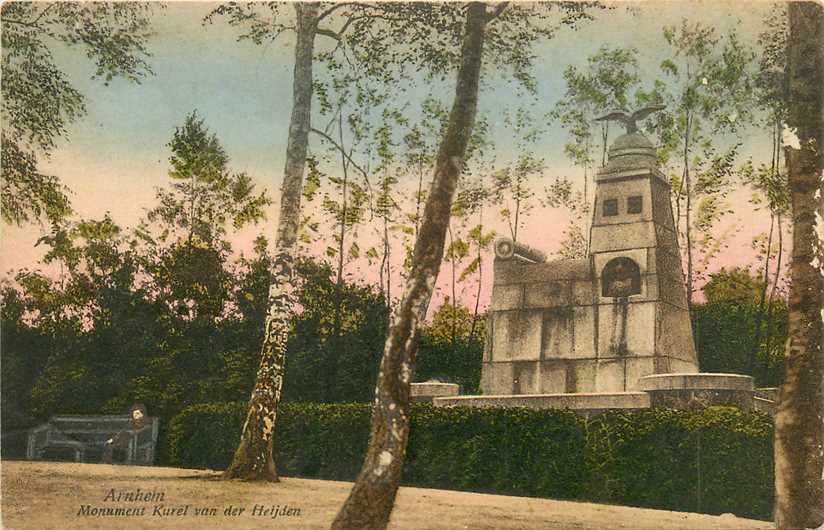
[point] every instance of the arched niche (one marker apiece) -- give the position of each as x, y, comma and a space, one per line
620, 278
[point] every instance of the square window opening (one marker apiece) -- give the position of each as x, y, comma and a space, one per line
635, 204
610, 207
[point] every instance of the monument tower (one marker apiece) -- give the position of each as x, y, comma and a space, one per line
644, 323
600, 323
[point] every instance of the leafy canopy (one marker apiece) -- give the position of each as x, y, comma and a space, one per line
39, 101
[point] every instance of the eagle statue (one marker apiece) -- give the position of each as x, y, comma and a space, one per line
629, 119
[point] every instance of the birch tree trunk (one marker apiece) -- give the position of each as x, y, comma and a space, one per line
372, 497
253, 456
799, 423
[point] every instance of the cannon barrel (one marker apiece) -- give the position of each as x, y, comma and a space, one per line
506, 249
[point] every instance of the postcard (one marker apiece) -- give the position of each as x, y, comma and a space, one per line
411, 265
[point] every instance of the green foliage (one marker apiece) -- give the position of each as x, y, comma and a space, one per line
101, 336
770, 185
511, 189
707, 87
204, 195
724, 332
716, 460
711, 78
334, 353
431, 35
560, 194
512, 451
218, 427
733, 285
769, 81
135, 316
458, 362
27, 193
726, 327
603, 87
25, 353
39, 102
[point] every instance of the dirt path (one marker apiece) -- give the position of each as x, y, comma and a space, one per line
46, 496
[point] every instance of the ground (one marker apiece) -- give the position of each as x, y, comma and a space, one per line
45, 496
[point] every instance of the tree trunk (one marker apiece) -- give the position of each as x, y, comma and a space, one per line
253, 457
688, 212
762, 303
344, 204
371, 500
454, 330
771, 300
330, 376
387, 257
517, 209
799, 423
777, 274
480, 275
604, 139
418, 200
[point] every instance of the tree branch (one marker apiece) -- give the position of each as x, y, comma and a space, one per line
346, 24
348, 156
338, 35
329, 33
334, 7
33, 23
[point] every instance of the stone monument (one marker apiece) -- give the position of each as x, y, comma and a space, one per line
611, 330
600, 323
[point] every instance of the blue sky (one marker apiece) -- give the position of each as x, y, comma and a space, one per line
116, 155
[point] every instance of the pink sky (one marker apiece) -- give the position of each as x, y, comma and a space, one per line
115, 157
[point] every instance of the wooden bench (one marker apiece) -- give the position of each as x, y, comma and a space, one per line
83, 439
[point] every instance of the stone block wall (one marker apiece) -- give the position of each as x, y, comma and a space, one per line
601, 323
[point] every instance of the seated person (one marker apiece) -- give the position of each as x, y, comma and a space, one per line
120, 441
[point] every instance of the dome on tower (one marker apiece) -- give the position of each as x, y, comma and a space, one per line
633, 140
631, 151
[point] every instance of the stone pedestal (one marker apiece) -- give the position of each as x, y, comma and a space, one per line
426, 392
697, 390
584, 404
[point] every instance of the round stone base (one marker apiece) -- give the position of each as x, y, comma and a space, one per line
698, 390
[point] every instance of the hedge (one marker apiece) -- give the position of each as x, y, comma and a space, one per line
713, 461
717, 460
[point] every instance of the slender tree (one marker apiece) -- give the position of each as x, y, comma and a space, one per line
370, 502
420, 144
471, 241
771, 192
511, 183
253, 456
204, 195
799, 423
354, 38
385, 206
184, 237
770, 180
473, 198
603, 87
707, 87
560, 194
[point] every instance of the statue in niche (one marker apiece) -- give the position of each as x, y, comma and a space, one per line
621, 278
